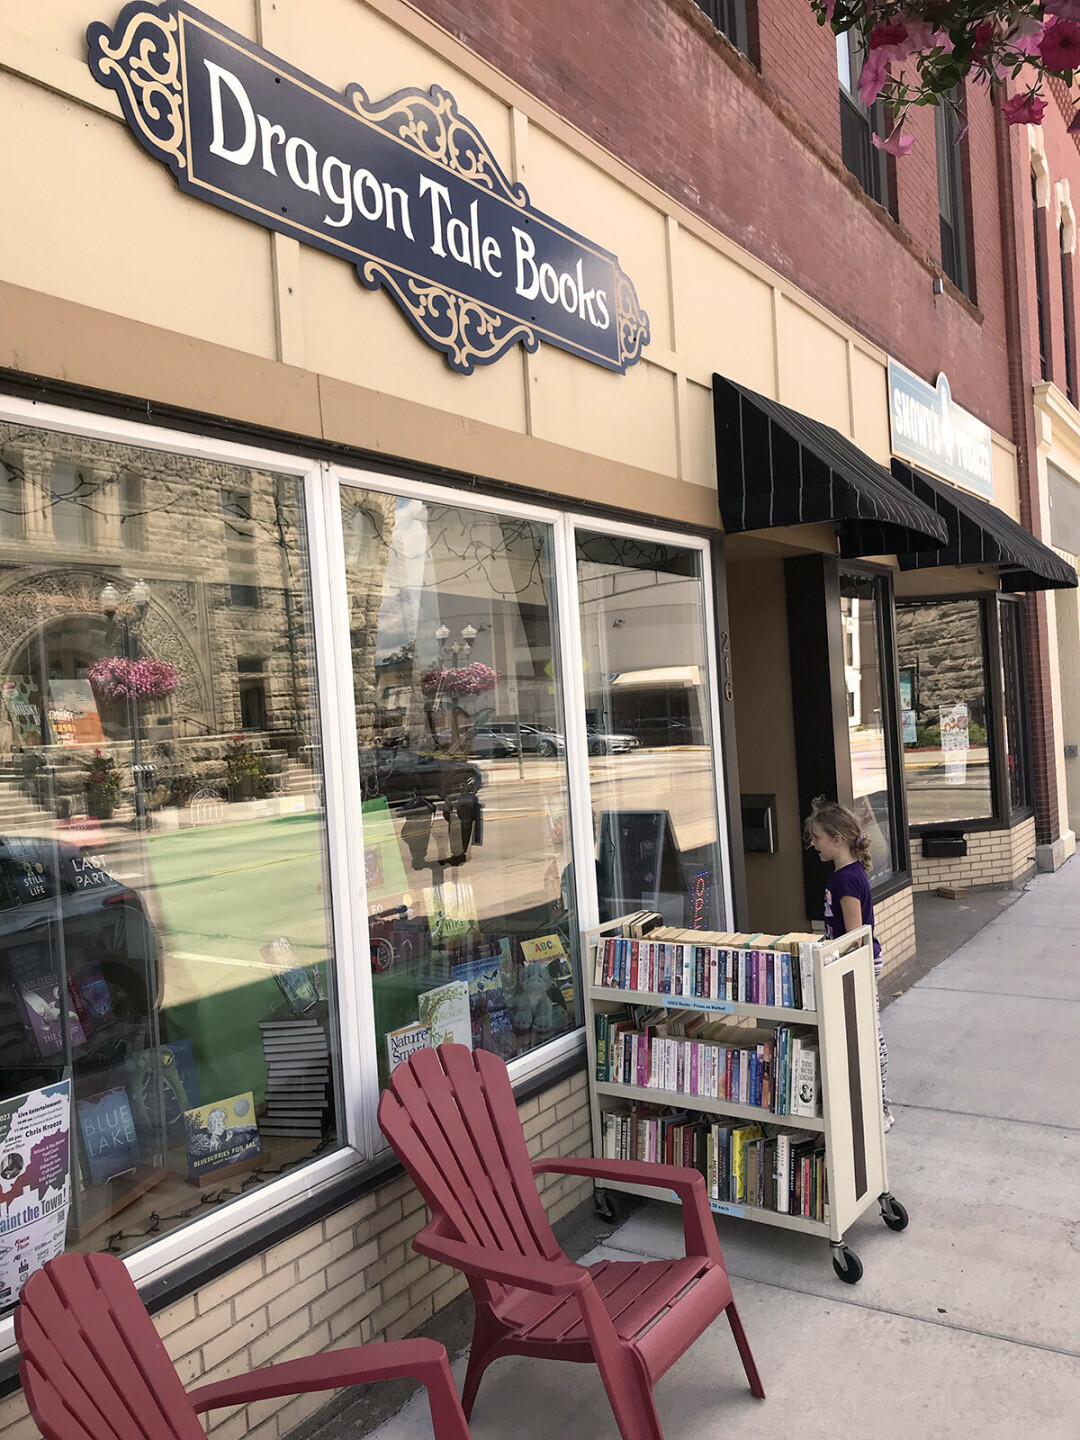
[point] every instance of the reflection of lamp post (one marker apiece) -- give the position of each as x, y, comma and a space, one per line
138, 598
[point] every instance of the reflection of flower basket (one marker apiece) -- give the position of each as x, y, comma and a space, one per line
465, 680
103, 786
115, 678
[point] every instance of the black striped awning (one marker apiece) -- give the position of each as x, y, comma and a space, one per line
981, 534
777, 467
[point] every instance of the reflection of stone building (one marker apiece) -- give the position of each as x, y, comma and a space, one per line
218, 549
943, 646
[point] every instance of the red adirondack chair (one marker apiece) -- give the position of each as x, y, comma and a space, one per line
93, 1366
451, 1117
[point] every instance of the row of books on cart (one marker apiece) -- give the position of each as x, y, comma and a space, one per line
686, 1052
754, 1165
731, 967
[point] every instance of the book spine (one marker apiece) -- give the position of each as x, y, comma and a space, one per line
602, 1029
699, 970
806, 973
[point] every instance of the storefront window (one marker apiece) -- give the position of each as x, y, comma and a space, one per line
463, 769
863, 607
943, 702
649, 728
164, 898
1012, 675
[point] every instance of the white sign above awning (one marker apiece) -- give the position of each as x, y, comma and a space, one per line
932, 432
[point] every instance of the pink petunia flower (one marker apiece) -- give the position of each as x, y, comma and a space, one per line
1059, 45
874, 74
887, 36
1024, 109
894, 143
1063, 9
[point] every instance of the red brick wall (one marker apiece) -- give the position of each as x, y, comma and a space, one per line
757, 156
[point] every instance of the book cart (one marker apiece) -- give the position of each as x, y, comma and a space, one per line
851, 1119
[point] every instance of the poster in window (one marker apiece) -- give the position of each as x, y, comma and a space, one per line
222, 1133
955, 741
35, 1188
20, 697
73, 714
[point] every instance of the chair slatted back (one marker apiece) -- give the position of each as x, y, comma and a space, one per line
93, 1365
451, 1117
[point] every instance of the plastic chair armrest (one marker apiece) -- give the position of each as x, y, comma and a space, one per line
689, 1185
329, 1371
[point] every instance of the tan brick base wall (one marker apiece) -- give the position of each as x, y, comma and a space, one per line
994, 857
894, 926
350, 1279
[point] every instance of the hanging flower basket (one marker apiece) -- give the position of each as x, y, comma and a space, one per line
465, 680
115, 678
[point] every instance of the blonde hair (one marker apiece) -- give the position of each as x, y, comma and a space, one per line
838, 822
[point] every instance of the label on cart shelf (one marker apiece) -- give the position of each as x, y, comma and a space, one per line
721, 1207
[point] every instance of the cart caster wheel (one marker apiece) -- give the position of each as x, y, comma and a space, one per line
606, 1206
847, 1265
893, 1213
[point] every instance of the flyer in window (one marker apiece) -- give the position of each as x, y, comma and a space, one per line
35, 1186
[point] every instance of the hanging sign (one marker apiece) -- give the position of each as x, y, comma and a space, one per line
405, 189
930, 431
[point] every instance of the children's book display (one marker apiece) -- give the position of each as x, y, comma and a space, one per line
222, 1139
751, 1058
298, 1102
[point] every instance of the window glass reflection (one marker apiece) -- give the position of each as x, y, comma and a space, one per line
860, 612
462, 760
164, 911
647, 713
943, 702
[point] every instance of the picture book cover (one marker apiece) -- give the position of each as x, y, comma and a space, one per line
485, 982
39, 996
163, 1085
403, 1043
94, 989
451, 910
222, 1133
107, 1128
445, 1012
295, 980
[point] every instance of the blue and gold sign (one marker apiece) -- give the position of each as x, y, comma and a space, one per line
404, 188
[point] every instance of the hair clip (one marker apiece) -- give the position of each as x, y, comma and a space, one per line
863, 839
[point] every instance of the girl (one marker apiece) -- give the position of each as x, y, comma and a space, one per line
834, 832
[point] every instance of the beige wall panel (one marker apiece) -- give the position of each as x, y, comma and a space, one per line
341, 42
159, 257
59, 26
569, 189
870, 390
699, 446
765, 737
723, 317
363, 337
813, 368
628, 417
1006, 485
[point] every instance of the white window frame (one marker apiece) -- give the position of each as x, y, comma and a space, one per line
322, 481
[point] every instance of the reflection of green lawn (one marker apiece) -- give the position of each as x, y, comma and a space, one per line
221, 893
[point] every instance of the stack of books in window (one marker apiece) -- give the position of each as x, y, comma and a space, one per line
297, 1078
744, 1165
775, 970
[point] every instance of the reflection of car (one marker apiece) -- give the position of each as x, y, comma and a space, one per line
535, 739
399, 773
667, 731
108, 947
610, 742
493, 742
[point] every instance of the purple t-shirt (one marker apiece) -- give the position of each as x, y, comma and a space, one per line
848, 880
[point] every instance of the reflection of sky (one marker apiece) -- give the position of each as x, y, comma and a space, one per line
403, 581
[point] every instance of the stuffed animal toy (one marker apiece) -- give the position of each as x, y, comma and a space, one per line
533, 1009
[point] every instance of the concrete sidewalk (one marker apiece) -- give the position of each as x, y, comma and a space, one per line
966, 1324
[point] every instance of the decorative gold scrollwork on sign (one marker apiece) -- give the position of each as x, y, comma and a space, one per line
632, 321
467, 332
430, 123
144, 69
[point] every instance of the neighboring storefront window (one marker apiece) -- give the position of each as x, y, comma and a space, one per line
941, 650
1015, 709
649, 728
164, 897
462, 752
864, 609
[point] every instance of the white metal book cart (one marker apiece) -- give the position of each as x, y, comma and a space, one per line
851, 1119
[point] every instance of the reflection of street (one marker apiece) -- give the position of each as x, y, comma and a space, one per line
218, 893
932, 798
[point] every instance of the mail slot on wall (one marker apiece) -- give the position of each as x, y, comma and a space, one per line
944, 844
759, 823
